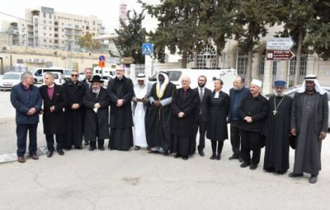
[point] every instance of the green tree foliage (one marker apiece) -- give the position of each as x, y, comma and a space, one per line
131, 37
178, 27
88, 42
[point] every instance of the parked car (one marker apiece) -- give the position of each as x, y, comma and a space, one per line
58, 78
292, 91
9, 79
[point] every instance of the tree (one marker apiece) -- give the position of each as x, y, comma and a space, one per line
178, 27
251, 20
88, 42
131, 37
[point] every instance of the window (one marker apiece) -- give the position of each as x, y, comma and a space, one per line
45, 40
50, 22
50, 15
207, 58
242, 62
303, 65
44, 28
44, 14
50, 28
20, 61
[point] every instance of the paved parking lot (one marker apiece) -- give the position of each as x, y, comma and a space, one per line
138, 180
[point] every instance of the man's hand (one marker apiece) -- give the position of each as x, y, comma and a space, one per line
248, 119
143, 99
75, 106
31, 111
181, 114
157, 103
293, 132
120, 102
52, 108
322, 135
97, 105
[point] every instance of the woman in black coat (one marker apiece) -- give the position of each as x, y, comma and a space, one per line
218, 104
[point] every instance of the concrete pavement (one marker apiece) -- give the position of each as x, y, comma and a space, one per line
137, 180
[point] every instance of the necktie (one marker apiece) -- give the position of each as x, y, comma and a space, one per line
201, 94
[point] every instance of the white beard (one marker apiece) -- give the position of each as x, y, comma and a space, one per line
278, 94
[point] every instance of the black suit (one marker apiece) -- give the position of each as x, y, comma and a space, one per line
54, 122
201, 118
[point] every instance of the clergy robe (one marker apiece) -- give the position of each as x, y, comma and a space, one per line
139, 112
185, 101
96, 124
309, 118
278, 132
158, 119
74, 118
121, 120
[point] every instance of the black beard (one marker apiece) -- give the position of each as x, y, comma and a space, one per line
201, 86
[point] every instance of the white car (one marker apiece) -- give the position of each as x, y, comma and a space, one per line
9, 79
58, 78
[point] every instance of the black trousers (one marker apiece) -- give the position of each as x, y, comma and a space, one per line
21, 132
251, 141
235, 137
50, 141
100, 143
199, 124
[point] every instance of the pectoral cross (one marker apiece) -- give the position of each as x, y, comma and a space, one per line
274, 112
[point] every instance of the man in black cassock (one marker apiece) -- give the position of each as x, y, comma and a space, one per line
309, 122
184, 106
158, 114
120, 91
88, 85
278, 131
74, 112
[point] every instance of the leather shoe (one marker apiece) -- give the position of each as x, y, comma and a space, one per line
233, 157
244, 165
20, 159
218, 157
253, 166
79, 147
201, 153
50, 154
177, 155
35, 157
293, 175
101, 148
60, 152
91, 148
86, 143
313, 179
185, 158
212, 157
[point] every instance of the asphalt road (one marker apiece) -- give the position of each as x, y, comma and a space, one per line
138, 180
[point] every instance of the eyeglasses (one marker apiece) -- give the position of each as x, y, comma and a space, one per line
74, 75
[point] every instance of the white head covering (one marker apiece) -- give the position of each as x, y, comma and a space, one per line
311, 77
141, 76
256, 82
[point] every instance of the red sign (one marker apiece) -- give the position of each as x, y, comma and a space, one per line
101, 64
279, 55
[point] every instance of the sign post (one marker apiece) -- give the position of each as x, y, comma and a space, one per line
102, 63
148, 50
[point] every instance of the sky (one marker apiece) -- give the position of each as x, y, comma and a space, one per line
107, 11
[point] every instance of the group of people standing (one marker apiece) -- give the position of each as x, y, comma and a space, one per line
166, 120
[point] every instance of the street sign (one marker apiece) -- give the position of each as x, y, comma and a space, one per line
280, 43
101, 64
279, 55
127, 60
102, 58
147, 49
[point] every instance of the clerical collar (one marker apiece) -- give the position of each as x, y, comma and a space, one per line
51, 86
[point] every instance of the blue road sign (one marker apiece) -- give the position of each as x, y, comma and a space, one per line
102, 58
147, 48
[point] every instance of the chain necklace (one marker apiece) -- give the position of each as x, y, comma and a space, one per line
275, 107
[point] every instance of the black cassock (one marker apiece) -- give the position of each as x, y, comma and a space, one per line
182, 128
158, 120
121, 119
74, 118
96, 124
278, 131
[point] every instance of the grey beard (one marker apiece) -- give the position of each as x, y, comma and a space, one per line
278, 94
